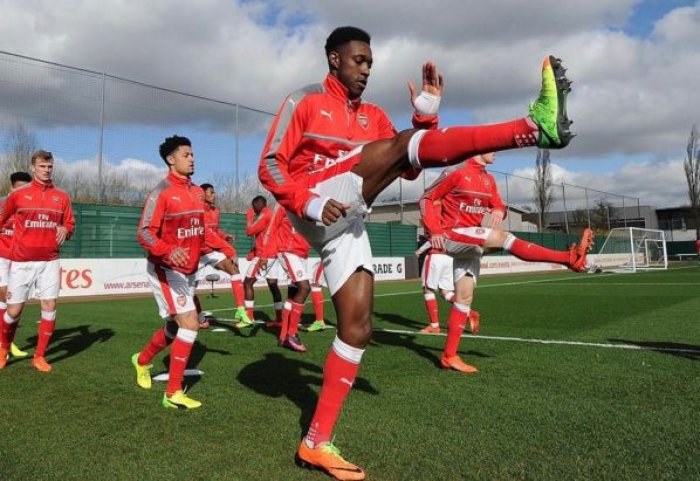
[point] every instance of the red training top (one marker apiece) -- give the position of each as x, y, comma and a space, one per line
314, 128
173, 216
466, 193
38, 210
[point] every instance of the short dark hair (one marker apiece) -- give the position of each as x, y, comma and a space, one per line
20, 177
171, 144
342, 35
259, 198
41, 154
206, 186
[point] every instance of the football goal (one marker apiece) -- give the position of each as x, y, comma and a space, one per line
630, 249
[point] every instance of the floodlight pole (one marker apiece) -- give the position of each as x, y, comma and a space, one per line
102, 136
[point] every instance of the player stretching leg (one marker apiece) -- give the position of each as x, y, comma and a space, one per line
43, 220
172, 231
262, 259
218, 260
329, 154
453, 208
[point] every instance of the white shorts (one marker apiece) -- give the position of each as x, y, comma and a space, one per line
173, 290
437, 272
274, 269
315, 267
4, 271
211, 259
294, 265
344, 246
43, 276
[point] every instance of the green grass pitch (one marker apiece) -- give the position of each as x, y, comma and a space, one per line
535, 411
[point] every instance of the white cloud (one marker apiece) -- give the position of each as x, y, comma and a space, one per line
632, 96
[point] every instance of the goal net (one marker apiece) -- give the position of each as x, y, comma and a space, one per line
631, 248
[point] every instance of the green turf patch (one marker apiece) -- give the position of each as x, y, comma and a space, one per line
533, 412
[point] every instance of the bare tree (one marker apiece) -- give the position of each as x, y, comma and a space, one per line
20, 144
601, 216
692, 175
544, 195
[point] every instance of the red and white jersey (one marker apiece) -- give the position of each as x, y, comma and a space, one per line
37, 210
697, 245
5, 233
466, 193
211, 222
173, 216
265, 237
289, 240
314, 127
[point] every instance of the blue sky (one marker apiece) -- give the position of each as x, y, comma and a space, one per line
633, 104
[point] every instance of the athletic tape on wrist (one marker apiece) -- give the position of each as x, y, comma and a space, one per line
427, 103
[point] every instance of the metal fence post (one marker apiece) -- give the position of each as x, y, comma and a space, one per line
102, 137
566, 215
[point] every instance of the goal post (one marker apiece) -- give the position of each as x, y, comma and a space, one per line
631, 249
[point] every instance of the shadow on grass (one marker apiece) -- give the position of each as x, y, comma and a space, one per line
196, 356
412, 342
679, 349
278, 376
68, 342
400, 320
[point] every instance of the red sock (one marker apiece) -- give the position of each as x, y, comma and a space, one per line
455, 327
179, 355
294, 318
528, 251
431, 306
317, 299
338, 376
451, 145
237, 288
158, 342
46, 328
249, 304
6, 332
285, 320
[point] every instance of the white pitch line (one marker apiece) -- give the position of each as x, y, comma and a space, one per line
520, 283
560, 342
551, 341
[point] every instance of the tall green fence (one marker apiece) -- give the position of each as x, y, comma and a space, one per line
109, 231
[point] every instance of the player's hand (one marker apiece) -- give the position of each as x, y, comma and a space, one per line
497, 218
438, 241
332, 211
61, 234
228, 237
179, 256
432, 83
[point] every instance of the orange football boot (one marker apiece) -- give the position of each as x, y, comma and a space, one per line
40, 364
455, 363
327, 458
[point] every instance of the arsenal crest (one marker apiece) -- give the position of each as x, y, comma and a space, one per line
55, 199
363, 120
181, 300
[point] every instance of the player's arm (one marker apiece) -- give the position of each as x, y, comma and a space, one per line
427, 103
431, 205
8, 209
282, 141
254, 227
65, 230
149, 229
498, 207
214, 241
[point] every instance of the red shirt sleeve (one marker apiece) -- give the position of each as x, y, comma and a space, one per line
254, 227
430, 210
496, 200
214, 241
8, 209
282, 140
68, 219
150, 226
